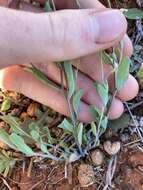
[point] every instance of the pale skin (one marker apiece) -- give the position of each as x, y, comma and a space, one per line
78, 35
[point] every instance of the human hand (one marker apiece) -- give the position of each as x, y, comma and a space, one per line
71, 34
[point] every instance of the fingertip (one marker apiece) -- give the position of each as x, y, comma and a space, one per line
128, 47
130, 89
112, 25
116, 109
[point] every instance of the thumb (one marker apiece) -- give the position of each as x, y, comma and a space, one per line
62, 35
74, 33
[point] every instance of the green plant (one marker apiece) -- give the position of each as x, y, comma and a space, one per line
133, 13
7, 162
78, 138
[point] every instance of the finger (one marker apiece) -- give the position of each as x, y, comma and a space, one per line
16, 79
92, 66
127, 46
57, 36
128, 49
90, 95
129, 90
89, 33
21, 81
4, 3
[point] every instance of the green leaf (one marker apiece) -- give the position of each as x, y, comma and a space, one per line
51, 140
12, 121
70, 77
80, 133
43, 148
78, 3
76, 100
6, 170
122, 73
95, 112
140, 73
33, 126
104, 122
66, 125
4, 137
2, 167
120, 123
35, 135
106, 58
133, 13
102, 90
21, 145
42, 77
6, 104
48, 7
94, 129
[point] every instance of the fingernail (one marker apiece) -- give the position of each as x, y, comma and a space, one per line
112, 25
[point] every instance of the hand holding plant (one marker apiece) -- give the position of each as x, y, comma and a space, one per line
70, 72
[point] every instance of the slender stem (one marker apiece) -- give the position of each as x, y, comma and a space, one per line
99, 124
53, 4
78, 3
109, 4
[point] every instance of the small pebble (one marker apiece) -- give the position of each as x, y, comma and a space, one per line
97, 157
85, 175
112, 148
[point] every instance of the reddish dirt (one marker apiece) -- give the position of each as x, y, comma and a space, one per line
129, 175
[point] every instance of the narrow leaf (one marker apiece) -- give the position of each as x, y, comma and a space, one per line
2, 167
21, 145
95, 112
122, 73
35, 135
133, 13
43, 148
106, 58
70, 77
4, 137
80, 133
102, 90
42, 77
51, 140
104, 122
66, 125
12, 121
48, 7
76, 100
6, 105
94, 129
120, 123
